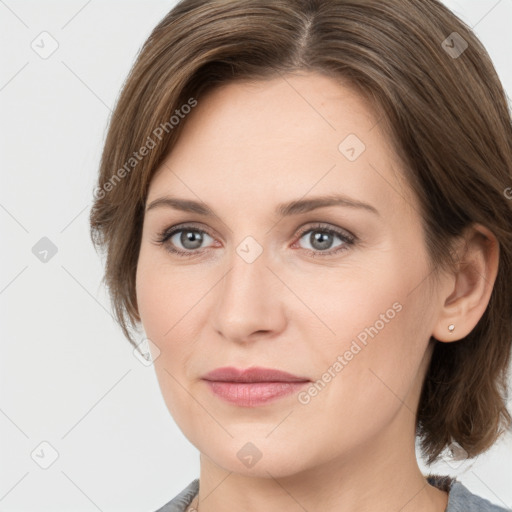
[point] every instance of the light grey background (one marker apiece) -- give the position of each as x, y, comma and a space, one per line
67, 375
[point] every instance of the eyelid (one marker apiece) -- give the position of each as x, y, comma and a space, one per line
323, 226
346, 236
171, 230
163, 236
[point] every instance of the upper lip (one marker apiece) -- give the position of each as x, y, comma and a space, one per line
253, 374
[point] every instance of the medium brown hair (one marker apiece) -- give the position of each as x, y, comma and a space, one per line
444, 110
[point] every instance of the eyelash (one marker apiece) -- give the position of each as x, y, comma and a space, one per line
344, 236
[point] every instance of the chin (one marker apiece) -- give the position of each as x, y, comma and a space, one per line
259, 457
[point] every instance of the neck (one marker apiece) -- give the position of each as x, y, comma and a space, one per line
382, 474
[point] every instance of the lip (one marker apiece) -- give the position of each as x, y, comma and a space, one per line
253, 374
253, 386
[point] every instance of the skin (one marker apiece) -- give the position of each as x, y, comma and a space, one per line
244, 149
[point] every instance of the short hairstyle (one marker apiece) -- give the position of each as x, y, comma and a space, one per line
442, 106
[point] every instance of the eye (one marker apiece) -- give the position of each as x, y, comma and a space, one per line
321, 239
183, 240
188, 240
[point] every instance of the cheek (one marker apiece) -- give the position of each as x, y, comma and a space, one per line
369, 373
378, 335
163, 296
171, 301
163, 304
151, 303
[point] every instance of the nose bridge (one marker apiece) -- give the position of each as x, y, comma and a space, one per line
247, 299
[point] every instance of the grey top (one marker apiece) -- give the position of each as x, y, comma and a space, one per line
460, 499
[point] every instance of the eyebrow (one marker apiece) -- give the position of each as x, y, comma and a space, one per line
282, 210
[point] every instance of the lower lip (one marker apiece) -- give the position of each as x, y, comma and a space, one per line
252, 394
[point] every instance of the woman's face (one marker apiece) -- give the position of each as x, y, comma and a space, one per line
337, 295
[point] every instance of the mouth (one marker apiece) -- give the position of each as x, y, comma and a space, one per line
253, 386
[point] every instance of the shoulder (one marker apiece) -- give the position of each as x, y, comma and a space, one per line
461, 499
182, 500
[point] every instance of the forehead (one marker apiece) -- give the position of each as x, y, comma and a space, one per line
291, 107
287, 135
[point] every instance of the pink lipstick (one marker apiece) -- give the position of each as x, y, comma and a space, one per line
253, 386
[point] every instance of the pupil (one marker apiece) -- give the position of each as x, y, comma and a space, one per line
191, 239
321, 240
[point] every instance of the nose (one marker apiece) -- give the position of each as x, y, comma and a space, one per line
249, 300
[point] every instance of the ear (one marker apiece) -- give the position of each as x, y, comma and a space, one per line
469, 288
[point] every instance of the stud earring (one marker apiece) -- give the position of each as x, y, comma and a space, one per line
451, 327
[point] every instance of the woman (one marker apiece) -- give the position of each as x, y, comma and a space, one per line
306, 206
